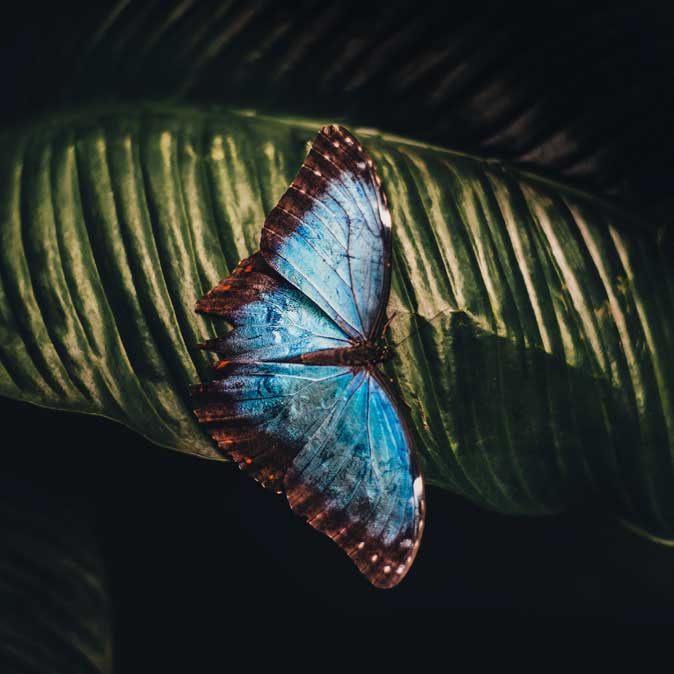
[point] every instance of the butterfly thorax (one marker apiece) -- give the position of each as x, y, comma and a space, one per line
360, 354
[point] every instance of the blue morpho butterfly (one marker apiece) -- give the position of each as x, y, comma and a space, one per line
297, 399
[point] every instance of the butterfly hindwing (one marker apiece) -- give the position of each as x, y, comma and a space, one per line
355, 480
330, 234
332, 439
261, 414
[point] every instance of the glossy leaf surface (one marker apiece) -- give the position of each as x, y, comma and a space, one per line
537, 321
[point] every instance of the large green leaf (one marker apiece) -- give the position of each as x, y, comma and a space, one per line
534, 323
583, 92
55, 613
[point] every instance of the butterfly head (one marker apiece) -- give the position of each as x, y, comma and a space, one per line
364, 353
384, 352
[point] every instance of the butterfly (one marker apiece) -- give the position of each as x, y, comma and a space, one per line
297, 398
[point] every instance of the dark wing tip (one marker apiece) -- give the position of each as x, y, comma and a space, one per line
360, 161
331, 129
334, 133
384, 565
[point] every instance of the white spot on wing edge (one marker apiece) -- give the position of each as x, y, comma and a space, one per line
385, 216
418, 487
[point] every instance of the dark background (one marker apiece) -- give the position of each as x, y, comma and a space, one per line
195, 553
192, 550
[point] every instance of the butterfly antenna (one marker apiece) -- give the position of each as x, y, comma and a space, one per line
388, 323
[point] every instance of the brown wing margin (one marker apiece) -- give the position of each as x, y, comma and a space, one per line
250, 277
334, 153
264, 457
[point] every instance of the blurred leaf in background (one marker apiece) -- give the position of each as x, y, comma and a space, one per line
56, 615
575, 90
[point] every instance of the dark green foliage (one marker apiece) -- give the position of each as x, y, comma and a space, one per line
534, 323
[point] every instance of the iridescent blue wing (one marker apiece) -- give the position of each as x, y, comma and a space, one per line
330, 436
262, 414
330, 234
355, 480
332, 439
272, 320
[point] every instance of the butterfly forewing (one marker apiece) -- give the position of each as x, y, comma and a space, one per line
330, 234
261, 414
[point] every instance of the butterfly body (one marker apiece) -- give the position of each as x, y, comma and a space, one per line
297, 398
363, 354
